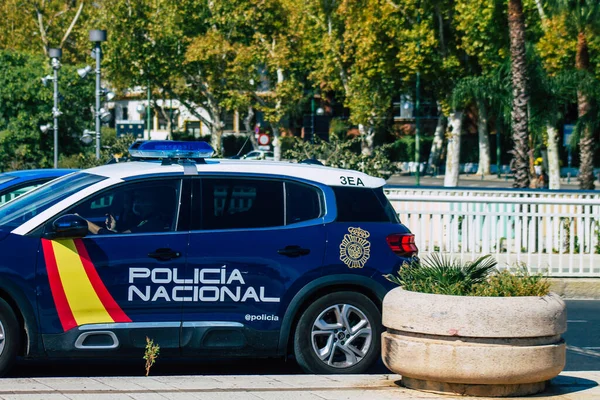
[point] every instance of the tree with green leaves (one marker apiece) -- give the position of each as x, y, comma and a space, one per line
582, 20
477, 89
25, 104
485, 41
355, 50
37, 25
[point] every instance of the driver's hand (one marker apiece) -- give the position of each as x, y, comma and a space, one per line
111, 223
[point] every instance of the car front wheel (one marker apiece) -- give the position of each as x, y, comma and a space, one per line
340, 333
9, 337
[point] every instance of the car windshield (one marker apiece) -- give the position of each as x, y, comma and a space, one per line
27, 206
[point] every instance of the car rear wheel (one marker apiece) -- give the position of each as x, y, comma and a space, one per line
340, 333
9, 337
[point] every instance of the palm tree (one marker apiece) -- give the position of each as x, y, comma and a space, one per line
477, 89
520, 164
583, 18
550, 96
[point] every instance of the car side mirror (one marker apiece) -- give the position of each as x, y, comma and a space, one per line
68, 226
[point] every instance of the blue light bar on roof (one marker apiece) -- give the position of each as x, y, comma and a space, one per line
170, 149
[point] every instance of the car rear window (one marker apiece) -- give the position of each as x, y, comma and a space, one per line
363, 205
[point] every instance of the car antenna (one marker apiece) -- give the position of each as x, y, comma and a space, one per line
244, 145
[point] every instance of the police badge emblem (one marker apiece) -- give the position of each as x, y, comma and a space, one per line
355, 249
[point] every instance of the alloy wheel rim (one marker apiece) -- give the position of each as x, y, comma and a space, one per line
341, 336
2, 338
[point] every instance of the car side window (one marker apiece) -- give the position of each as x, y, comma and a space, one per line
302, 203
16, 192
145, 207
238, 203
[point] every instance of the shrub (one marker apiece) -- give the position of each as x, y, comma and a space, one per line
510, 284
439, 274
342, 153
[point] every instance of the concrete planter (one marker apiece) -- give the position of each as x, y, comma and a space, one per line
479, 346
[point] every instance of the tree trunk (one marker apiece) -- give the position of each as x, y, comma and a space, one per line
437, 143
484, 140
216, 132
553, 159
453, 152
276, 144
520, 152
275, 126
368, 138
586, 143
249, 129
540, 8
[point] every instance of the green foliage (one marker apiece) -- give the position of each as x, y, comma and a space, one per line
32, 26
25, 104
510, 284
341, 153
112, 148
150, 354
440, 274
403, 148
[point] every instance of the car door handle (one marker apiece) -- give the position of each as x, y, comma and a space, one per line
164, 254
293, 251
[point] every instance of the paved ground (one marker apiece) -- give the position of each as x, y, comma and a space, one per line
567, 386
471, 181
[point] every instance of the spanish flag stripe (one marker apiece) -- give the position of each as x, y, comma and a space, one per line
107, 300
67, 320
83, 299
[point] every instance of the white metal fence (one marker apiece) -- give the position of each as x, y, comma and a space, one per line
557, 233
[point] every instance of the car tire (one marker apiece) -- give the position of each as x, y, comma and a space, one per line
9, 337
339, 333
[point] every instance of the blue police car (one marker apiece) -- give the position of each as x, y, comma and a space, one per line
15, 183
209, 258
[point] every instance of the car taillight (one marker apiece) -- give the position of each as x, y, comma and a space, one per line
403, 244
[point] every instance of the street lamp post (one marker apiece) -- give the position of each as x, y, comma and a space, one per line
148, 112
418, 130
312, 119
55, 55
417, 111
498, 146
98, 36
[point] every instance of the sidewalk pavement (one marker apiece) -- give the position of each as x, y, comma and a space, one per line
567, 386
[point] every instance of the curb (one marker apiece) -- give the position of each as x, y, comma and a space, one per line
576, 288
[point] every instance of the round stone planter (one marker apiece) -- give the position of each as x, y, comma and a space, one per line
478, 346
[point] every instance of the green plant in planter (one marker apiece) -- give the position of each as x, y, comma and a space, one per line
510, 284
439, 274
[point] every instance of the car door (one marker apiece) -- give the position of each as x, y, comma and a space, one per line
124, 281
248, 255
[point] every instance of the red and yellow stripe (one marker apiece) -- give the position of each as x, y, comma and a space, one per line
79, 294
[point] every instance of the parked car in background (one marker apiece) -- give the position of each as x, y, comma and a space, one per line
15, 183
258, 155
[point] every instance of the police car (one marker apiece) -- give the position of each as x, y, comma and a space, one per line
209, 258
